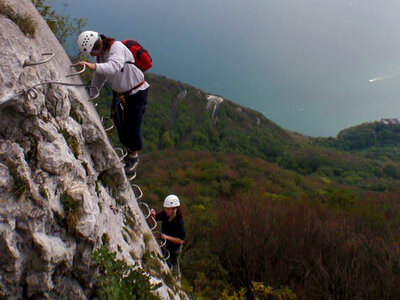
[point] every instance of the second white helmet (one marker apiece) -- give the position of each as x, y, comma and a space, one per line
171, 201
86, 41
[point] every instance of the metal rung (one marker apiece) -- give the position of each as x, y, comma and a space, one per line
161, 242
155, 223
122, 153
104, 120
77, 73
31, 63
141, 193
97, 92
147, 207
168, 254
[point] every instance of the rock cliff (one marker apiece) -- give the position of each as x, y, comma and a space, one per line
63, 192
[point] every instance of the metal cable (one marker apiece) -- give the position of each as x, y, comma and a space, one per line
30, 92
33, 92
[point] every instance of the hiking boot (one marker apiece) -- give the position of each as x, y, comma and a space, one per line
131, 176
131, 164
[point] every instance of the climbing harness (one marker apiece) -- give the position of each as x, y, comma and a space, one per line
31, 63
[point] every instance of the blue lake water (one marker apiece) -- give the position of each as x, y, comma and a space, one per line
311, 66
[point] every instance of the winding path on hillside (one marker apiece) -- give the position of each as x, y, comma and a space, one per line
182, 94
210, 100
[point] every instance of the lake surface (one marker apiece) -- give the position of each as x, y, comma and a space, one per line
311, 66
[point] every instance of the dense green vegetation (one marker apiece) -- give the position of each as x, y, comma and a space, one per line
117, 280
64, 27
373, 140
250, 220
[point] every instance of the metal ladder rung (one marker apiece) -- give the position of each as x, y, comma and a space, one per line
34, 63
104, 120
123, 153
148, 210
97, 92
77, 73
141, 194
155, 223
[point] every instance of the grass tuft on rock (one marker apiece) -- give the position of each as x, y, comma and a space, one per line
23, 21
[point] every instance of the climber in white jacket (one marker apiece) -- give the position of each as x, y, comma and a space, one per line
114, 63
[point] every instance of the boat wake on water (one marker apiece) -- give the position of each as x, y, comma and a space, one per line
381, 77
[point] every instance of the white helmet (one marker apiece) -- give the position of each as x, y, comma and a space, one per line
86, 41
171, 201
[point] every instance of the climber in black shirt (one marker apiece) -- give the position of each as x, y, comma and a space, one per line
173, 230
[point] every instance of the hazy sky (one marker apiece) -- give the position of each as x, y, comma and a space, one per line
312, 66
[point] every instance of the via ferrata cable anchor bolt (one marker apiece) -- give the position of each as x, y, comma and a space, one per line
77, 73
34, 63
31, 93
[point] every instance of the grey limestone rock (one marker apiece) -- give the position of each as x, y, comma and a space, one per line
54, 152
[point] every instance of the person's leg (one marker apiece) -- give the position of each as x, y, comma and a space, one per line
134, 112
117, 113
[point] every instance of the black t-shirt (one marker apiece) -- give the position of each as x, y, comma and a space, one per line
174, 228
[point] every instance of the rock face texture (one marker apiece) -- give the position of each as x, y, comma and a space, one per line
62, 186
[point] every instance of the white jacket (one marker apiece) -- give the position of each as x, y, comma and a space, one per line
109, 68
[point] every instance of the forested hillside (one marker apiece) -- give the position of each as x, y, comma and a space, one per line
374, 140
249, 221
176, 118
269, 213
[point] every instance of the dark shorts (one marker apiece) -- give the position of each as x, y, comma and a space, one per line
129, 119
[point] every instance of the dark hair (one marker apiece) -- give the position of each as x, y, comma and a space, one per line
179, 212
107, 42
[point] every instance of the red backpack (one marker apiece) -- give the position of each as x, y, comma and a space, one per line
142, 57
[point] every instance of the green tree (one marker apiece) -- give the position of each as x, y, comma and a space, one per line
63, 26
